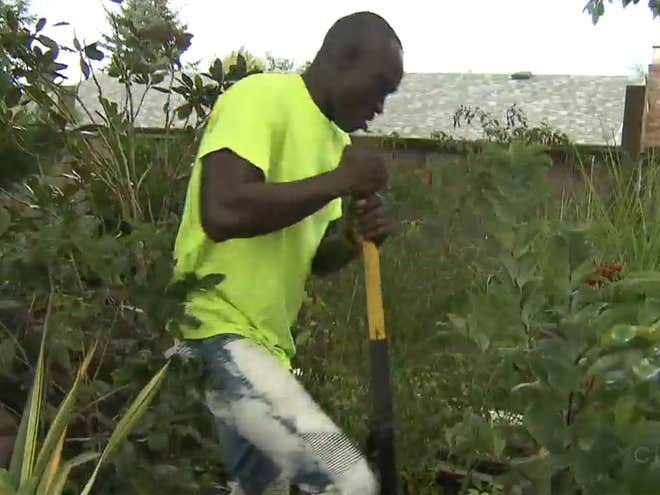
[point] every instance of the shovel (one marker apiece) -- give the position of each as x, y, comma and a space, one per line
381, 436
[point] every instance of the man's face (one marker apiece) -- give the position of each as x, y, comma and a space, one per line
362, 87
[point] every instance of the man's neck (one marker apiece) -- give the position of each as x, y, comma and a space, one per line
316, 82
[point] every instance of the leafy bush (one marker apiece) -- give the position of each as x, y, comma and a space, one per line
583, 356
93, 235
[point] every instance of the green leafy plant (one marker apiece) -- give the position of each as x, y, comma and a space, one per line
596, 8
583, 355
619, 199
95, 228
145, 41
109, 294
514, 128
26, 133
41, 470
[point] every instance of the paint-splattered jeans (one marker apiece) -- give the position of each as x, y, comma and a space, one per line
272, 433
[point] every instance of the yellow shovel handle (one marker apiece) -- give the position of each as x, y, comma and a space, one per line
375, 313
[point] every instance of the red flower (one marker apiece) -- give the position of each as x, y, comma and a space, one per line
610, 271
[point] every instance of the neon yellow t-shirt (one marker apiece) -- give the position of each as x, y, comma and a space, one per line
271, 121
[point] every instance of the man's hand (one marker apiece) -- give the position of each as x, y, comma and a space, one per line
369, 220
361, 172
364, 221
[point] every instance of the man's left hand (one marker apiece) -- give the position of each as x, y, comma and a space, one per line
369, 219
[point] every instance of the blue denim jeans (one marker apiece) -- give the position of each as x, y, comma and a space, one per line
270, 429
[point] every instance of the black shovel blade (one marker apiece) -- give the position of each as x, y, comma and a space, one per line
381, 442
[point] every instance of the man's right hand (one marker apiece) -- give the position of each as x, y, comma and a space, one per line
361, 172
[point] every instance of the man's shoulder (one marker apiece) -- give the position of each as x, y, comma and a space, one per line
263, 85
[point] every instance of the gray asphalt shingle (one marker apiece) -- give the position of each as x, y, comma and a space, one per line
587, 108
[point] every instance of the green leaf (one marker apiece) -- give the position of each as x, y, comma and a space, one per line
48, 42
579, 250
562, 376
624, 336
12, 98
499, 443
209, 281
187, 80
33, 415
6, 486
481, 340
649, 312
511, 266
183, 41
28, 487
7, 355
645, 371
62, 476
77, 44
545, 423
532, 302
582, 273
527, 268
157, 78
184, 111
62, 417
54, 462
12, 19
5, 220
216, 71
85, 69
158, 441
241, 66
647, 283
506, 237
620, 334
624, 410
19, 448
41, 24
458, 322
92, 51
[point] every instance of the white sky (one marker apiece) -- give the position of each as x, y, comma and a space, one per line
543, 36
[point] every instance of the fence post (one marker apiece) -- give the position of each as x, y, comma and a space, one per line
633, 120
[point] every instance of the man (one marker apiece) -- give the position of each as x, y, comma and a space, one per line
263, 207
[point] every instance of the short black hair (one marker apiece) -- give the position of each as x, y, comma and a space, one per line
354, 31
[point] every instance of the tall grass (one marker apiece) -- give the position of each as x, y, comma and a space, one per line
622, 209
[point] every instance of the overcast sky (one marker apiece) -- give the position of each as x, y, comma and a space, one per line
543, 36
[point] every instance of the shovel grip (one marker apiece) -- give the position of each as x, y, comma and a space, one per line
375, 313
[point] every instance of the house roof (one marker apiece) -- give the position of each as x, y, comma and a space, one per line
587, 108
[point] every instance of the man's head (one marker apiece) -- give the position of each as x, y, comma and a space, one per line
361, 59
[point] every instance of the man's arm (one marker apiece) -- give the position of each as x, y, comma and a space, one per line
335, 252
237, 202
